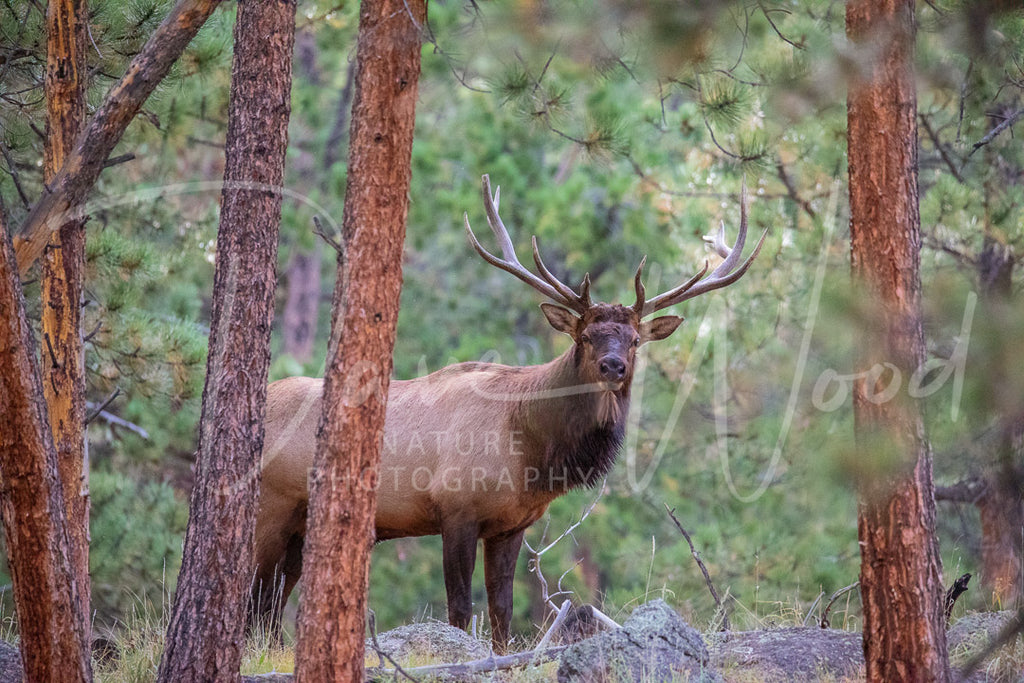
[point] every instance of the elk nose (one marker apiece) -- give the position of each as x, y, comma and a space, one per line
612, 368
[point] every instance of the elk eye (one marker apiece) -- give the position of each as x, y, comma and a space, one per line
636, 341
585, 338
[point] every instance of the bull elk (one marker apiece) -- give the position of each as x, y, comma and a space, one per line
479, 450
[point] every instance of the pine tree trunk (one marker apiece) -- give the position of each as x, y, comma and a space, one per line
63, 264
299, 316
51, 627
901, 577
1002, 506
206, 636
1002, 518
340, 532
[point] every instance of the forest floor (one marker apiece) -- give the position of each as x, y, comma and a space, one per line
766, 655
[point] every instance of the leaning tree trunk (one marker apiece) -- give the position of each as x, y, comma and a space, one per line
63, 264
206, 633
51, 624
901, 577
63, 198
340, 531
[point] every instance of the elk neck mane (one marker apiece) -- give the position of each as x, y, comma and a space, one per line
576, 429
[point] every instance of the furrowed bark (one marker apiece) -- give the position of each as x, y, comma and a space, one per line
340, 529
206, 634
901, 577
51, 627
63, 198
62, 280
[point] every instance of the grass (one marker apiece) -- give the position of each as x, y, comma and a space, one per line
132, 651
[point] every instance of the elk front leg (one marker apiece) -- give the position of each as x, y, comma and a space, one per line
500, 555
458, 543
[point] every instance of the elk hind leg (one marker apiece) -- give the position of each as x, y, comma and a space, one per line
500, 555
278, 565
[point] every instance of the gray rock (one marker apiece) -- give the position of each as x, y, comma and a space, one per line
10, 663
654, 644
971, 634
433, 639
269, 678
975, 630
790, 654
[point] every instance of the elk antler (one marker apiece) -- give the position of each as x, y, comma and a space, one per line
724, 275
547, 284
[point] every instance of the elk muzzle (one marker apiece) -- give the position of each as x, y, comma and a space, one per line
612, 368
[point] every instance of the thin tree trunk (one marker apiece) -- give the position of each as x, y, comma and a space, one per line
901, 577
1002, 517
63, 264
301, 305
1002, 507
62, 200
299, 316
206, 636
51, 626
340, 532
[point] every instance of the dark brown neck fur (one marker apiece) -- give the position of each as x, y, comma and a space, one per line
571, 446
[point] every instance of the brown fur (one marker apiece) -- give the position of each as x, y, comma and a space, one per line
472, 451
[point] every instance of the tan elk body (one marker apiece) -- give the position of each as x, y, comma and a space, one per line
477, 451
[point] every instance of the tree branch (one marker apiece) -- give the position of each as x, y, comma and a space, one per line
63, 200
13, 170
966, 491
940, 148
824, 623
787, 182
703, 569
958, 588
1007, 122
103, 406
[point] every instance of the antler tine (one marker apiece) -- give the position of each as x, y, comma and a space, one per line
717, 241
577, 302
510, 263
641, 293
673, 296
723, 275
585, 290
731, 256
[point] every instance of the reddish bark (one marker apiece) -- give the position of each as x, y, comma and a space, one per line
63, 266
340, 531
46, 596
901, 579
205, 637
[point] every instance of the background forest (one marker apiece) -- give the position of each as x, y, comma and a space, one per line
614, 132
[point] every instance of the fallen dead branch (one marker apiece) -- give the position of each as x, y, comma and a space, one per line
534, 565
824, 623
465, 670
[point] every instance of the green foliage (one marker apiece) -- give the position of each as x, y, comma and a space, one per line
136, 528
615, 130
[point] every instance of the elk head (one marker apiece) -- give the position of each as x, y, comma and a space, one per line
607, 336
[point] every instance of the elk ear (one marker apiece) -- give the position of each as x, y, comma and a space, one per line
659, 328
562, 319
